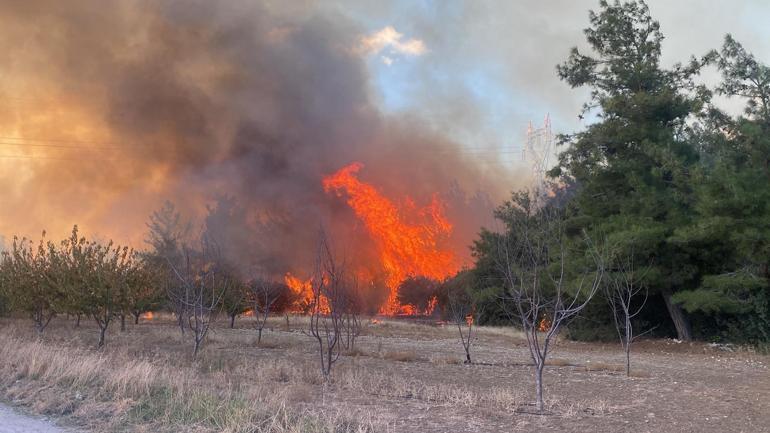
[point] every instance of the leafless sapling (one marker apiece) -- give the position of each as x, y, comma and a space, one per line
328, 305
263, 295
462, 310
627, 294
204, 282
532, 259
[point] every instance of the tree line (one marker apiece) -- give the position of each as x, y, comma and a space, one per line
677, 190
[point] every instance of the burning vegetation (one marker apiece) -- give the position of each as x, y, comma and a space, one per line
411, 241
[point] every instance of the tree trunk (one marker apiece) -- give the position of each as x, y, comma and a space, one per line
136, 317
539, 385
259, 336
629, 339
180, 321
102, 330
122, 323
681, 322
232, 321
196, 348
77, 320
628, 359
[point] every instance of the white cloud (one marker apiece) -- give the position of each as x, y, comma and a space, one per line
393, 41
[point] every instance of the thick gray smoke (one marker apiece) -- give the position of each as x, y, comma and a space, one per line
194, 100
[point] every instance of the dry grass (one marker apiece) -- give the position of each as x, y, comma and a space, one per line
401, 356
603, 366
145, 379
112, 391
559, 362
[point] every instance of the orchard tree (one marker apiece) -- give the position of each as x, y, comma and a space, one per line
29, 282
546, 284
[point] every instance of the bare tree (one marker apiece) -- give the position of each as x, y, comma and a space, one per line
462, 310
624, 288
167, 235
532, 259
203, 281
263, 295
328, 306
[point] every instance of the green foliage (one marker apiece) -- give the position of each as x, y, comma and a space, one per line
76, 276
676, 185
28, 280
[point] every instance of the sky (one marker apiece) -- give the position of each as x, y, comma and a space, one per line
501, 56
107, 112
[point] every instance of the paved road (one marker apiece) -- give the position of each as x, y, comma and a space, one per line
14, 422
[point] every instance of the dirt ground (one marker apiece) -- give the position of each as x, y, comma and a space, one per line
405, 377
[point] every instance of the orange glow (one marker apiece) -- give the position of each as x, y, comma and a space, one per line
147, 316
544, 325
408, 238
469, 319
303, 295
248, 313
431, 305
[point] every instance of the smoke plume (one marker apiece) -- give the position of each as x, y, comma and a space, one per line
109, 109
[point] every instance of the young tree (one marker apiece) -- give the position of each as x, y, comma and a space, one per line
532, 257
624, 288
263, 295
234, 301
462, 309
28, 281
167, 236
144, 288
98, 278
330, 297
203, 280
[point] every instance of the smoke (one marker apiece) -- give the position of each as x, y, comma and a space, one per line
114, 109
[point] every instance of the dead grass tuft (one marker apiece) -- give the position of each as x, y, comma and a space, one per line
559, 362
401, 356
603, 366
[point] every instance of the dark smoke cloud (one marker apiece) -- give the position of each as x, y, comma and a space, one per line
194, 100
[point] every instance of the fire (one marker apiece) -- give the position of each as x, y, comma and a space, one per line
248, 313
147, 316
408, 237
544, 325
303, 295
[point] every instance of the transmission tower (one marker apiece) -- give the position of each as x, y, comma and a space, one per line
537, 152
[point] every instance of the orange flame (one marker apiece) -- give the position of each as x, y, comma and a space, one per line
147, 316
303, 295
544, 325
406, 247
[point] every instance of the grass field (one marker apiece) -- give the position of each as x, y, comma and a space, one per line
402, 377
